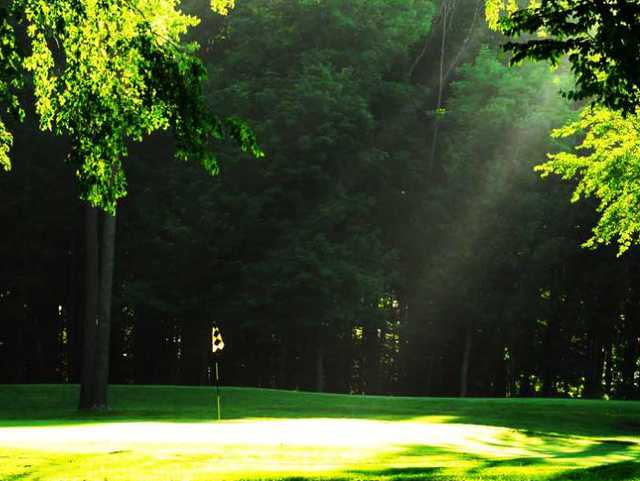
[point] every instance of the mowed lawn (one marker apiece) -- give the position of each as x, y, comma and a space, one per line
168, 433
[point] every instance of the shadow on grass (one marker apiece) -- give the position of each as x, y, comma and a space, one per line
420, 472
620, 471
548, 459
529, 450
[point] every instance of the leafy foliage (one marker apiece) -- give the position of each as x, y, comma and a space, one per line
10, 82
105, 73
601, 47
605, 59
606, 165
495, 9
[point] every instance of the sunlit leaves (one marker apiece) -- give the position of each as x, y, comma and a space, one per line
605, 58
495, 9
606, 165
10, 82
107, 72
97, 92
222, 6
6, 141
601, 48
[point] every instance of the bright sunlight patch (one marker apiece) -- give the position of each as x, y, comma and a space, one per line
289, 447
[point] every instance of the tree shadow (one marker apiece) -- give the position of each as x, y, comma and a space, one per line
600, 460
620, 471
420, 472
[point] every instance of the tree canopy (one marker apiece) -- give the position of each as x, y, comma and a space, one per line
107, 73
598, 38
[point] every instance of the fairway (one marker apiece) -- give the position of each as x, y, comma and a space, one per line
167, 433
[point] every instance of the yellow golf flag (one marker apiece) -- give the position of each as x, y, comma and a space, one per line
216, 340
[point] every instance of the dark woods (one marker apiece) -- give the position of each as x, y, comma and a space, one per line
395, 239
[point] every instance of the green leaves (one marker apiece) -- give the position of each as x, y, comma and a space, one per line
109, 72
222, 6
326, 85
6, 141
603, 50
94, 86
496, 9
10, 81
604, 55
606, 165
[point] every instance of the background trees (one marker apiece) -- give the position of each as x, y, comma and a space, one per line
103, 75
364, 253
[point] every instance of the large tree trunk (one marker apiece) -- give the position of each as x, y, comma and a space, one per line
103, 337
90, 308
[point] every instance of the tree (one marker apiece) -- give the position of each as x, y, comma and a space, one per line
333, 100
599, 39
10, 82
606, 166
487, 218
105, 74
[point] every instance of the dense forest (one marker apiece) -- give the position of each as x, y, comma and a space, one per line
394, 239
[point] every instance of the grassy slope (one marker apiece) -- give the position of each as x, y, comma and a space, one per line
553, 439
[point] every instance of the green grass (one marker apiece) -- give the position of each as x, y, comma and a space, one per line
167, 433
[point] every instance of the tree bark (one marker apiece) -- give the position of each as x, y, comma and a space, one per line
436, 125
74, 301
103, 337
630, 354
428, 385
320, 369
205, 348
371, 348
90, 308
593, 383
466, 355
608, 373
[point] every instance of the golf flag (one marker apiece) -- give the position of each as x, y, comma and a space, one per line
216, 340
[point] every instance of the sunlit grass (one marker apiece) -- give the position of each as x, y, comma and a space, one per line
167, 434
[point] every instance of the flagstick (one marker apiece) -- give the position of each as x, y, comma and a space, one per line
218, 390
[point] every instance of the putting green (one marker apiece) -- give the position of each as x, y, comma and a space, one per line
312, 436
288, 447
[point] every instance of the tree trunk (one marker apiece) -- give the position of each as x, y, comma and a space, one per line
549, 363
74, 347
466, 355
593, 383
103, 337
436, 125
371, 357
90, 308
630, 354
608, 373
428, 385
319, 368
205, 349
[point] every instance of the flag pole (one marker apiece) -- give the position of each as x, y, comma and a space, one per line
217, 345
218, 390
